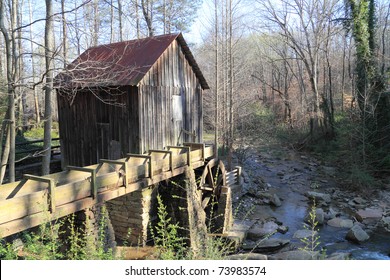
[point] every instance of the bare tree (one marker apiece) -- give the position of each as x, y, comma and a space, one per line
33, 73
304, 27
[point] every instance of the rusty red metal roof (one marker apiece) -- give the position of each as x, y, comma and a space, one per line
123, 63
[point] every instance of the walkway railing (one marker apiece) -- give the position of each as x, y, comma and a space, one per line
39, 199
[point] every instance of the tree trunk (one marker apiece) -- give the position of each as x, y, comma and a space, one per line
148, 15
216, 85
231, 87
137, 19
9, 40
49, 51
120, 11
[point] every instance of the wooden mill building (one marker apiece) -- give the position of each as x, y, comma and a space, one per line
129, 97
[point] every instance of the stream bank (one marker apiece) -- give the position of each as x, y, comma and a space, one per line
278, 191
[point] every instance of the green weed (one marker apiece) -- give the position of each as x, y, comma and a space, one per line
312, 243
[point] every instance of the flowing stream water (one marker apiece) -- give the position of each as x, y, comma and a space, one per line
290, 177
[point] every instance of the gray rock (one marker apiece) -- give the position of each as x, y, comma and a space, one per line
248, 245
319, 196
265, 245
319, 218
304, 233
261, 230
271, 244
282, 229
295, 255
331, 214
339, 256
239, 230
359, 200
386, 223
369, 215
357, 234
275, 201
340, 223
249, 256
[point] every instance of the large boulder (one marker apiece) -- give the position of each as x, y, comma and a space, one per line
249, 256
369, 215
304, 233
320, 197
264, 245
357, 234
295, 255
275, 200
339, 256
386, 223
340, 223
319, 218
259, 231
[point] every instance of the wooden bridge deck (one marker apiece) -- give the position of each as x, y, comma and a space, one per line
36, 200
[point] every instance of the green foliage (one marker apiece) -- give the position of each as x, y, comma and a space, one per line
216, 248
43, 245
170, 245
100, 249
48, 242
7, 251
37, 133
312, 243
360, 179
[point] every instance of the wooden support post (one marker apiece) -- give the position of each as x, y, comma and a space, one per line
93, 178
124, 166
164, 152
147, 157
52, 185
187, 149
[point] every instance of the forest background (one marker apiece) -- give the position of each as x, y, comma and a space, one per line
310, 74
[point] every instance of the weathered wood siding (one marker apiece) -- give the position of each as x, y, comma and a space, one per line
152, 115
98, 125
170, 98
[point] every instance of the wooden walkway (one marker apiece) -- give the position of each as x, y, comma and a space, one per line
39, 199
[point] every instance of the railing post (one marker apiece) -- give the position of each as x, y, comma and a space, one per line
93, 178
164, 152
52, 185
187, 149
124, 166
147, 157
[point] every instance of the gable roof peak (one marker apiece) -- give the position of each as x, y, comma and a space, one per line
122, 63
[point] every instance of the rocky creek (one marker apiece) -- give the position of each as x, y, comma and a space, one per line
278, 191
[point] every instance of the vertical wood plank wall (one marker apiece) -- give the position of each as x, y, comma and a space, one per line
171, 76
92, 124
94, 120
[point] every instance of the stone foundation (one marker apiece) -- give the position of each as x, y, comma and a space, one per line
130, 216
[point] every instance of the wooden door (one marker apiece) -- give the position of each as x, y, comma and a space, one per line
177, 107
